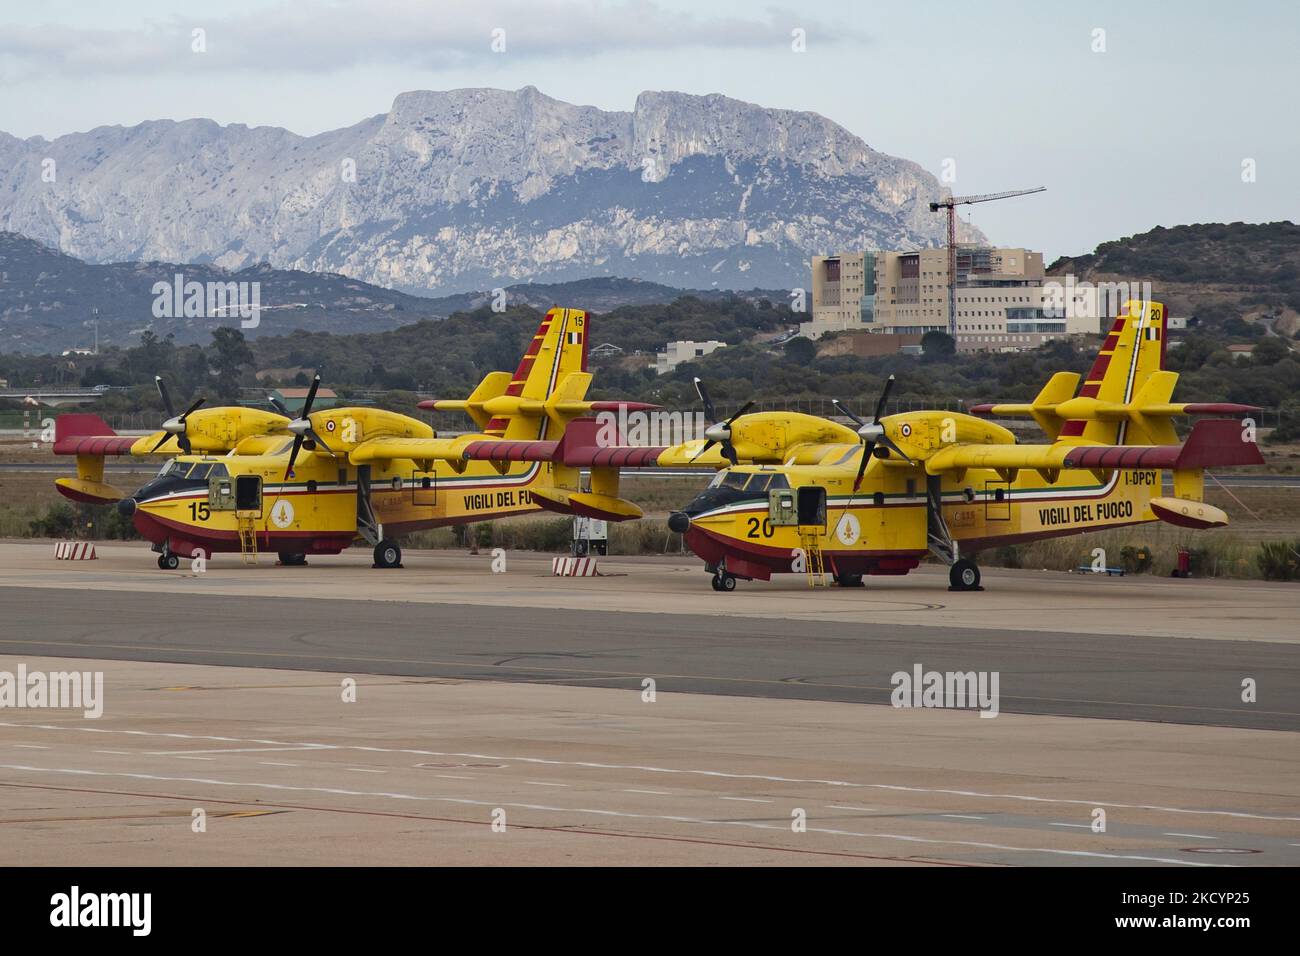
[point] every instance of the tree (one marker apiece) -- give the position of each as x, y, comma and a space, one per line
228, 355
800, 350
938, 344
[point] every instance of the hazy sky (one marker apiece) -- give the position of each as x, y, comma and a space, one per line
1154, 130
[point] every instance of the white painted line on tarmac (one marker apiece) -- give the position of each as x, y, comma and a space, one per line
592, 811
363, 770
1078, 826
746, 799
592, 765
1192, 836
838, 806
30, 747
120, 753
544, 783
962, 816
276, 763
657, 793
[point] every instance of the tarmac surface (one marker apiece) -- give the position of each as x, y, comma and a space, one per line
526, 694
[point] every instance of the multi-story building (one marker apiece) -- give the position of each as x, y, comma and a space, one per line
1001, 300
675, 353
843, 293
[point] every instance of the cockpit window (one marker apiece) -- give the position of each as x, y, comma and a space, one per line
174, 469
778, 481
219, 471
201, 471
758, 484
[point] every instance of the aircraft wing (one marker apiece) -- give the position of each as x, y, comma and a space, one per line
1212, 443
417, 449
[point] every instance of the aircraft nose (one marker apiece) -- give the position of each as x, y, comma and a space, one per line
126, 507
679, 521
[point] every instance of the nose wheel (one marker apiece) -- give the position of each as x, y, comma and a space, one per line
168, 562
724, 582
964, 575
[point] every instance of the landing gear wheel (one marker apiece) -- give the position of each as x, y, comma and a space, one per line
849, 580
716, 581
168, 562
388, 555
724, 582
292, 559
964, 576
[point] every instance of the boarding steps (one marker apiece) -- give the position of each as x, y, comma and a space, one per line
247, 524
814, 562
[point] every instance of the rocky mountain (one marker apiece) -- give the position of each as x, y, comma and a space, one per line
479, 188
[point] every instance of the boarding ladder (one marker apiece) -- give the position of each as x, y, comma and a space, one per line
247, 524
810, 542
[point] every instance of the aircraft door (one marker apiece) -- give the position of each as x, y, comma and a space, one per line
997, 501
248, 493
811, 506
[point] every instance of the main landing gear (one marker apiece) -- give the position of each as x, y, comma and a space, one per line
292, 560
722, 581
168, 561
964, 575
849, 580
388, 554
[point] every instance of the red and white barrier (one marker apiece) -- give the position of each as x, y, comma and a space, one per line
574, 567
74, 551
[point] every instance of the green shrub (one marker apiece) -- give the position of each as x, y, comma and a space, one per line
1279, 560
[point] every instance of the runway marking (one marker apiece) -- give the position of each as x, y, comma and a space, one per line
723, 774
120, 753
30, 747
595, 811
836, 806
544, 783
363, 770
453, 776
1193, 836
1080, 826
196, 758
747, 799
276, 763
657, 793
962, 816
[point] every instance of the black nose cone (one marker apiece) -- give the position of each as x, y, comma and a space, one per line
679, 522
126, 507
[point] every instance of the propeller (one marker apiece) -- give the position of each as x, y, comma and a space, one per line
872, 433
280, 407
175, 424
719, 433
301, 428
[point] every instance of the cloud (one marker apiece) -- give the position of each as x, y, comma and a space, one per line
326, 36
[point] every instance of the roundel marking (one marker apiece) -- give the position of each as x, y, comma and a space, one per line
282, 513
905, 429
329, 425
848, 530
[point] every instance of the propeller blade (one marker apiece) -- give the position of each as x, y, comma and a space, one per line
888, 443
311, 433
743, 409
707, 445
884, 397
192, 408
311, 397
161, 441
729, 450
279, 406
184, 441
867, 449
846, 413
293, 456
166, 398
703, 392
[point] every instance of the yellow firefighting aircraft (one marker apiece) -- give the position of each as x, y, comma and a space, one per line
246, 480
799, 493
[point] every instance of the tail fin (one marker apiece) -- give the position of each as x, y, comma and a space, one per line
559, 347
1133, 351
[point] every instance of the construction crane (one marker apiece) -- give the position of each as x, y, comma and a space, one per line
951, 203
